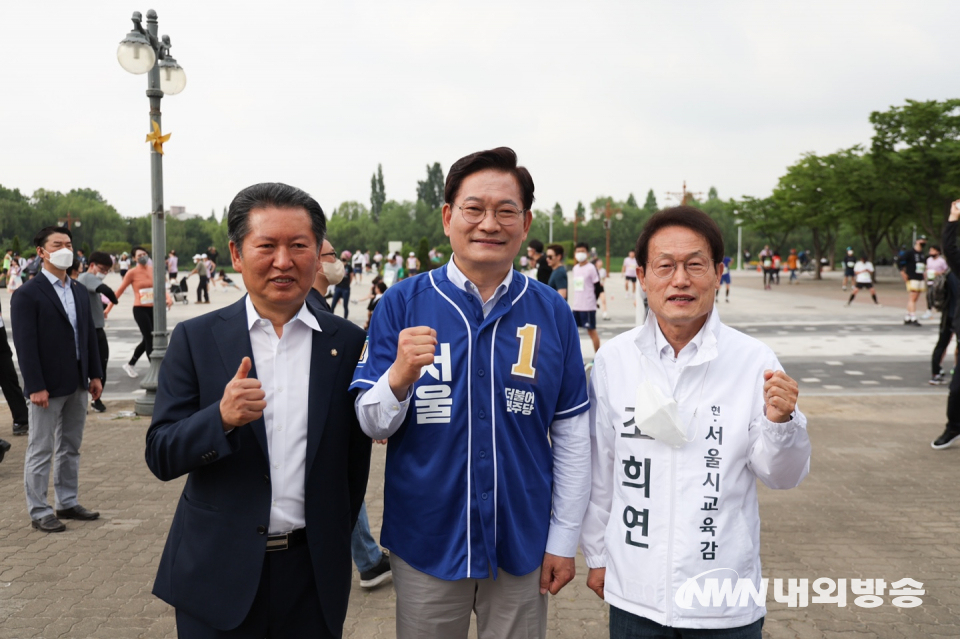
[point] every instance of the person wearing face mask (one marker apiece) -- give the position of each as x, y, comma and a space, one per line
140, 279
583, 298
329, 274
60, 362
92, 279
372, 562
686, 414
341, 290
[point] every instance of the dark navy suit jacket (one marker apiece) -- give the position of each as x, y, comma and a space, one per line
214, 553
44, 339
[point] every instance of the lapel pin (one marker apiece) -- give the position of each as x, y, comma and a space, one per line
333, 352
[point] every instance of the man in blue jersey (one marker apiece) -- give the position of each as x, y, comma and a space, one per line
475, 375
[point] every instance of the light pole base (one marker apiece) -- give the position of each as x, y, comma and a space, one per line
144, 405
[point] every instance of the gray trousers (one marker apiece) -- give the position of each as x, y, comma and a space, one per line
57, 428
430, 608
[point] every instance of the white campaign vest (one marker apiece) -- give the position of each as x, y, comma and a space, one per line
669, 514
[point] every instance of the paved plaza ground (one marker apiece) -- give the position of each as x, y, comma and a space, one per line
878, 502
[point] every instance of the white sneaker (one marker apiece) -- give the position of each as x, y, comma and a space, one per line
129, 370
926, 315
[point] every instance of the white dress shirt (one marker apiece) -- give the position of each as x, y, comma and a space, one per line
381, 415
283, 368
673, 365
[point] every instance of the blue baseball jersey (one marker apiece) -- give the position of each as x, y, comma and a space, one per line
469, 475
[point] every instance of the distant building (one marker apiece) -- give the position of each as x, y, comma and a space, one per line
180, 212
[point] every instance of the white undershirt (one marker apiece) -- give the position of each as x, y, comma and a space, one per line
283, 368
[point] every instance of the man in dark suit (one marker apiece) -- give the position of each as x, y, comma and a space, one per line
59, 359
253, 405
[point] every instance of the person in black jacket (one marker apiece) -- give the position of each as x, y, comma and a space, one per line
952, 254
538, 259
59, 359
10, 384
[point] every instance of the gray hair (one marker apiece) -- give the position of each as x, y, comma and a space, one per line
275, 194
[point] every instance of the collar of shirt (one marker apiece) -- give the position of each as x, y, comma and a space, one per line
304, 315
686, 353
458, 279
53, 278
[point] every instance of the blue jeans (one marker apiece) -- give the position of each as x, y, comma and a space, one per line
626, 625
338, 294
366, 553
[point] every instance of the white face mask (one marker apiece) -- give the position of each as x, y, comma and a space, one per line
62, 259
333, 271
581, 257
657, 416
100, 276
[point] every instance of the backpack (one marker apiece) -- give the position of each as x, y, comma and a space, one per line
939, 291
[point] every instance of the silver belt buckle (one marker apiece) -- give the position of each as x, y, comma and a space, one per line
278, 542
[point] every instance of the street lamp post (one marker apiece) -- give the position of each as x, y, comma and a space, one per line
609, 212
142, 52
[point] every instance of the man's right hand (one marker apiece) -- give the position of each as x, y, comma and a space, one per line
242, 400
595, 580
40, 398
416, 347
955, 211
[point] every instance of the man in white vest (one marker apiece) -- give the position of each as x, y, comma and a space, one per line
686, 414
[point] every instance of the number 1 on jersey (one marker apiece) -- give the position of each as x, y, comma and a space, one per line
528, 339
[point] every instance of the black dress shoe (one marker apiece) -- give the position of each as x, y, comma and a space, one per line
49, 524
20, 429
78, 512
4, 447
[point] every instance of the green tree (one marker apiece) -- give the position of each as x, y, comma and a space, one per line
631, 201
580, 212
650, 205
808, 195
378, 194
767, 217
430, 190
917, 146
871, 207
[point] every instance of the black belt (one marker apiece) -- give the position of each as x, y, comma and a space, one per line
287, 541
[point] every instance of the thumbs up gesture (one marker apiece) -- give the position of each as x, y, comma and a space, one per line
242, 400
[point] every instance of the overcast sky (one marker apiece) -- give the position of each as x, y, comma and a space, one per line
597, 98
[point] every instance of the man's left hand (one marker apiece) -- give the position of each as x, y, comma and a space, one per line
556, 573
779, 396
96, 388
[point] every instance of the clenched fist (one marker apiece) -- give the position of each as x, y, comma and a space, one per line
416, 347
779, 396
242, 400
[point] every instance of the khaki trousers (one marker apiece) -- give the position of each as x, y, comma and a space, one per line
429, 608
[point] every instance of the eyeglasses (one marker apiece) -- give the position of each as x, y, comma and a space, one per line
551, 257
696, 266
505, 214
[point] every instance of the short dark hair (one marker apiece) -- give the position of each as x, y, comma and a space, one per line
134, 250
688, 217
275, 194
582, 245
557, 249
101, 258
536, 245
41, 237
501, 159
